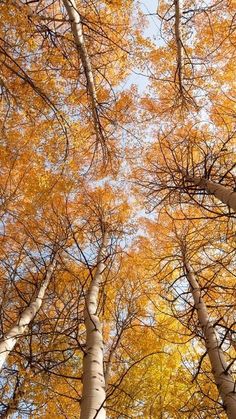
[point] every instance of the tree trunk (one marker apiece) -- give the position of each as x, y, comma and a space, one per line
77, 30
224, 381
94, 395
179, 44
224, 194
10, 339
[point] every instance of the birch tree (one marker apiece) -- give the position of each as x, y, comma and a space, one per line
192, 167
220, 369
10, 339
226, 195
175, 238
122, 319
77, 30
93, 396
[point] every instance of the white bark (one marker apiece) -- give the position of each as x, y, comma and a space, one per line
10, 339
109, 362
93, 395
223, 379
77, 30
224, 194
179, 44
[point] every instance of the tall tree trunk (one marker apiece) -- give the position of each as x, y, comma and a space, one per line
16, 397
224, 194
223, 379
77, 30
109, 362
94, 395
10, 339
179, 44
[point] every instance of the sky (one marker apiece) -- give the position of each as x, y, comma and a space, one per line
152, 31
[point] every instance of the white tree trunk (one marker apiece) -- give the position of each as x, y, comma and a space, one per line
93, 395
223, 379
179, 43
77, 30
10, 339
224, 194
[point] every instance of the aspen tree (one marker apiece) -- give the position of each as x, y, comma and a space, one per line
225, 195
10, 339
220, 369
77, 30
93, 396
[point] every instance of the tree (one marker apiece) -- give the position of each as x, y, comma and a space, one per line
182, 241
189, 166
108, 310
17, 330
220, 369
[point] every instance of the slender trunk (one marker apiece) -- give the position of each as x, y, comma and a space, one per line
10, 339
224, 194
220, 369
109, 361
179, 44
77, 30
113, 350
13, 403
94, 395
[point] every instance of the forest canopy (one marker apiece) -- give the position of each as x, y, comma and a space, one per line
117, 209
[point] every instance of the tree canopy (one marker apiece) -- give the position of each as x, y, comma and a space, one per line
117, 209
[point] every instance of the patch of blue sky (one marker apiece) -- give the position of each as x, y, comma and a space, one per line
152, 32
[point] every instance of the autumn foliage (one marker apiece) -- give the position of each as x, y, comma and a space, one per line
117, 209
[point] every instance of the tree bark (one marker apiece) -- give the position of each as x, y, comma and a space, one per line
10, 339
94, 395
110, 359
225, 195
223, 379
77, 30
179, 44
